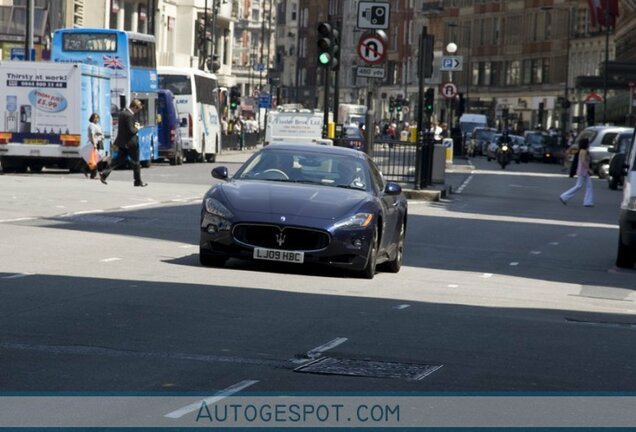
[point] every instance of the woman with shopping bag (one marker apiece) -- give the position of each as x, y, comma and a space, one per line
91, 151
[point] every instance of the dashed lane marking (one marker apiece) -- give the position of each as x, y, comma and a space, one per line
402, 306
514, 263
211, 400
106, 260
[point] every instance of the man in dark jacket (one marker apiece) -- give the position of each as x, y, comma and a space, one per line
127, 143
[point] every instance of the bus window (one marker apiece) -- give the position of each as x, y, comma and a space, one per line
177, 84
89, 42
148, 115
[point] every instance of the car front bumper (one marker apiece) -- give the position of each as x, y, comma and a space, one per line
347, 248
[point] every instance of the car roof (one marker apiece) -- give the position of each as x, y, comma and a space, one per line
316, 148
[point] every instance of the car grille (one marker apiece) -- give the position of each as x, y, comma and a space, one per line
276, 237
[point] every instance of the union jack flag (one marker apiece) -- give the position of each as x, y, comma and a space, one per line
112, 62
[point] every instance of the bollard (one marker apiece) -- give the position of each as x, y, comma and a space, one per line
448, 145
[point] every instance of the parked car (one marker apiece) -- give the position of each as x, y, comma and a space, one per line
169, 131
298, 203
626, 254
601, 139
480, 138
616, 169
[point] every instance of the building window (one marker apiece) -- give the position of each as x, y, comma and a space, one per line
513, 73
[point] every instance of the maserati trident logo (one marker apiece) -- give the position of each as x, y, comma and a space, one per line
280, 239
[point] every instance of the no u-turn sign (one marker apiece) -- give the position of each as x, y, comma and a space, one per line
448, 90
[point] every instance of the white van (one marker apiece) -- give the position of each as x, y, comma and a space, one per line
299, 127
468, 122
626, 256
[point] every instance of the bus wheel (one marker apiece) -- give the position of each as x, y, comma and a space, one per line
35, 167
201, 156
210, 158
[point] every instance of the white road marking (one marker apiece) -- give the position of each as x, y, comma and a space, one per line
514, 263
461, 188
187, 246
573, 235
85, 212
554, 243
17, 275
325, 347
211, 400
83, 201
402, 307
535, 252
139, 205
16, 219
486, 275
453, 286
105, 260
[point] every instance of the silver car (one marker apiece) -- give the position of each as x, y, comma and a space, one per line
601, 139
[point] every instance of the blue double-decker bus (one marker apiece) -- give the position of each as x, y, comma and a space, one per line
131, 58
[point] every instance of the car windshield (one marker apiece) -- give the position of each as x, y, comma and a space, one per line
536, 138
305, 167
353, 132
483, 134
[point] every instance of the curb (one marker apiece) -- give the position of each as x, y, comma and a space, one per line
427, 194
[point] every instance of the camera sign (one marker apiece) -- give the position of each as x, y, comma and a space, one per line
373, 15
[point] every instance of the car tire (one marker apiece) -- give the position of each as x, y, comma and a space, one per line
208, 260
626, 256
369, 269
395, 265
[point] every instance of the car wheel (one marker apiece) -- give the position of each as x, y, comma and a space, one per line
626, 256
209, 260
395, 265
369, 269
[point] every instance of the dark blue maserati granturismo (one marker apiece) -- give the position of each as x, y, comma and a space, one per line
302, 203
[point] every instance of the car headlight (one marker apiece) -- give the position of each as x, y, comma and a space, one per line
214, 207
356, 221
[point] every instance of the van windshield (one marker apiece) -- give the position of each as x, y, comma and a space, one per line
484, 134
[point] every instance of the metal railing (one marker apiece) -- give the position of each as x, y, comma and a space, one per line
395, 159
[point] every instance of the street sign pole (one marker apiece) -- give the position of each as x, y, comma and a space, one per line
325, 118
369, 126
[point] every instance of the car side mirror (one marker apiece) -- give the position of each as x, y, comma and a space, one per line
184, 122
392, 189
220, 173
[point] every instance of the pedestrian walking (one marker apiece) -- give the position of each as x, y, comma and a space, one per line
127, 143
95, 144
583, 176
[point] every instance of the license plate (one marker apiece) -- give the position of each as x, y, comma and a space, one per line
279, 255
34, 153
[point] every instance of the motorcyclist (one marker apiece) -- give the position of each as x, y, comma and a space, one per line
504, 139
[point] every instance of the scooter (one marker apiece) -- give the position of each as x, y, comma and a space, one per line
504, 155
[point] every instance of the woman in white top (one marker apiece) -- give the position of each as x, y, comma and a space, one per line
96, 139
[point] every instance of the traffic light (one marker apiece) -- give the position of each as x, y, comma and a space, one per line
391, 104
398, 104
461, 108
235, 97
328, 46
429, 100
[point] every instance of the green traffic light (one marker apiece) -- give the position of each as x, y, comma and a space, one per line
323, 58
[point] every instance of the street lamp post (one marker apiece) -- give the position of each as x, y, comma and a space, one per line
451, 47
468, 73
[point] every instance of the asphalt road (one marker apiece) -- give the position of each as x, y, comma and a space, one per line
503, 289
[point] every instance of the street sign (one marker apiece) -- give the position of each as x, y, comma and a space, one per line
371, 72
17, 53
372, 48
452, 63
265, 100
373, 15
448, 89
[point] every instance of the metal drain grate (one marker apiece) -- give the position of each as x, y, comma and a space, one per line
368, 368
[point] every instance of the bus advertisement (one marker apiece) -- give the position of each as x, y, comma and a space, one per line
131, 59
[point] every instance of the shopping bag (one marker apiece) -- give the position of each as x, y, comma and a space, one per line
90, 154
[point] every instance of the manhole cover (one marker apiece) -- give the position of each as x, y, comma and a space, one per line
368, 368
92, 218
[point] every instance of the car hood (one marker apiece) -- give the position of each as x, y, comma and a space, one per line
291, 199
